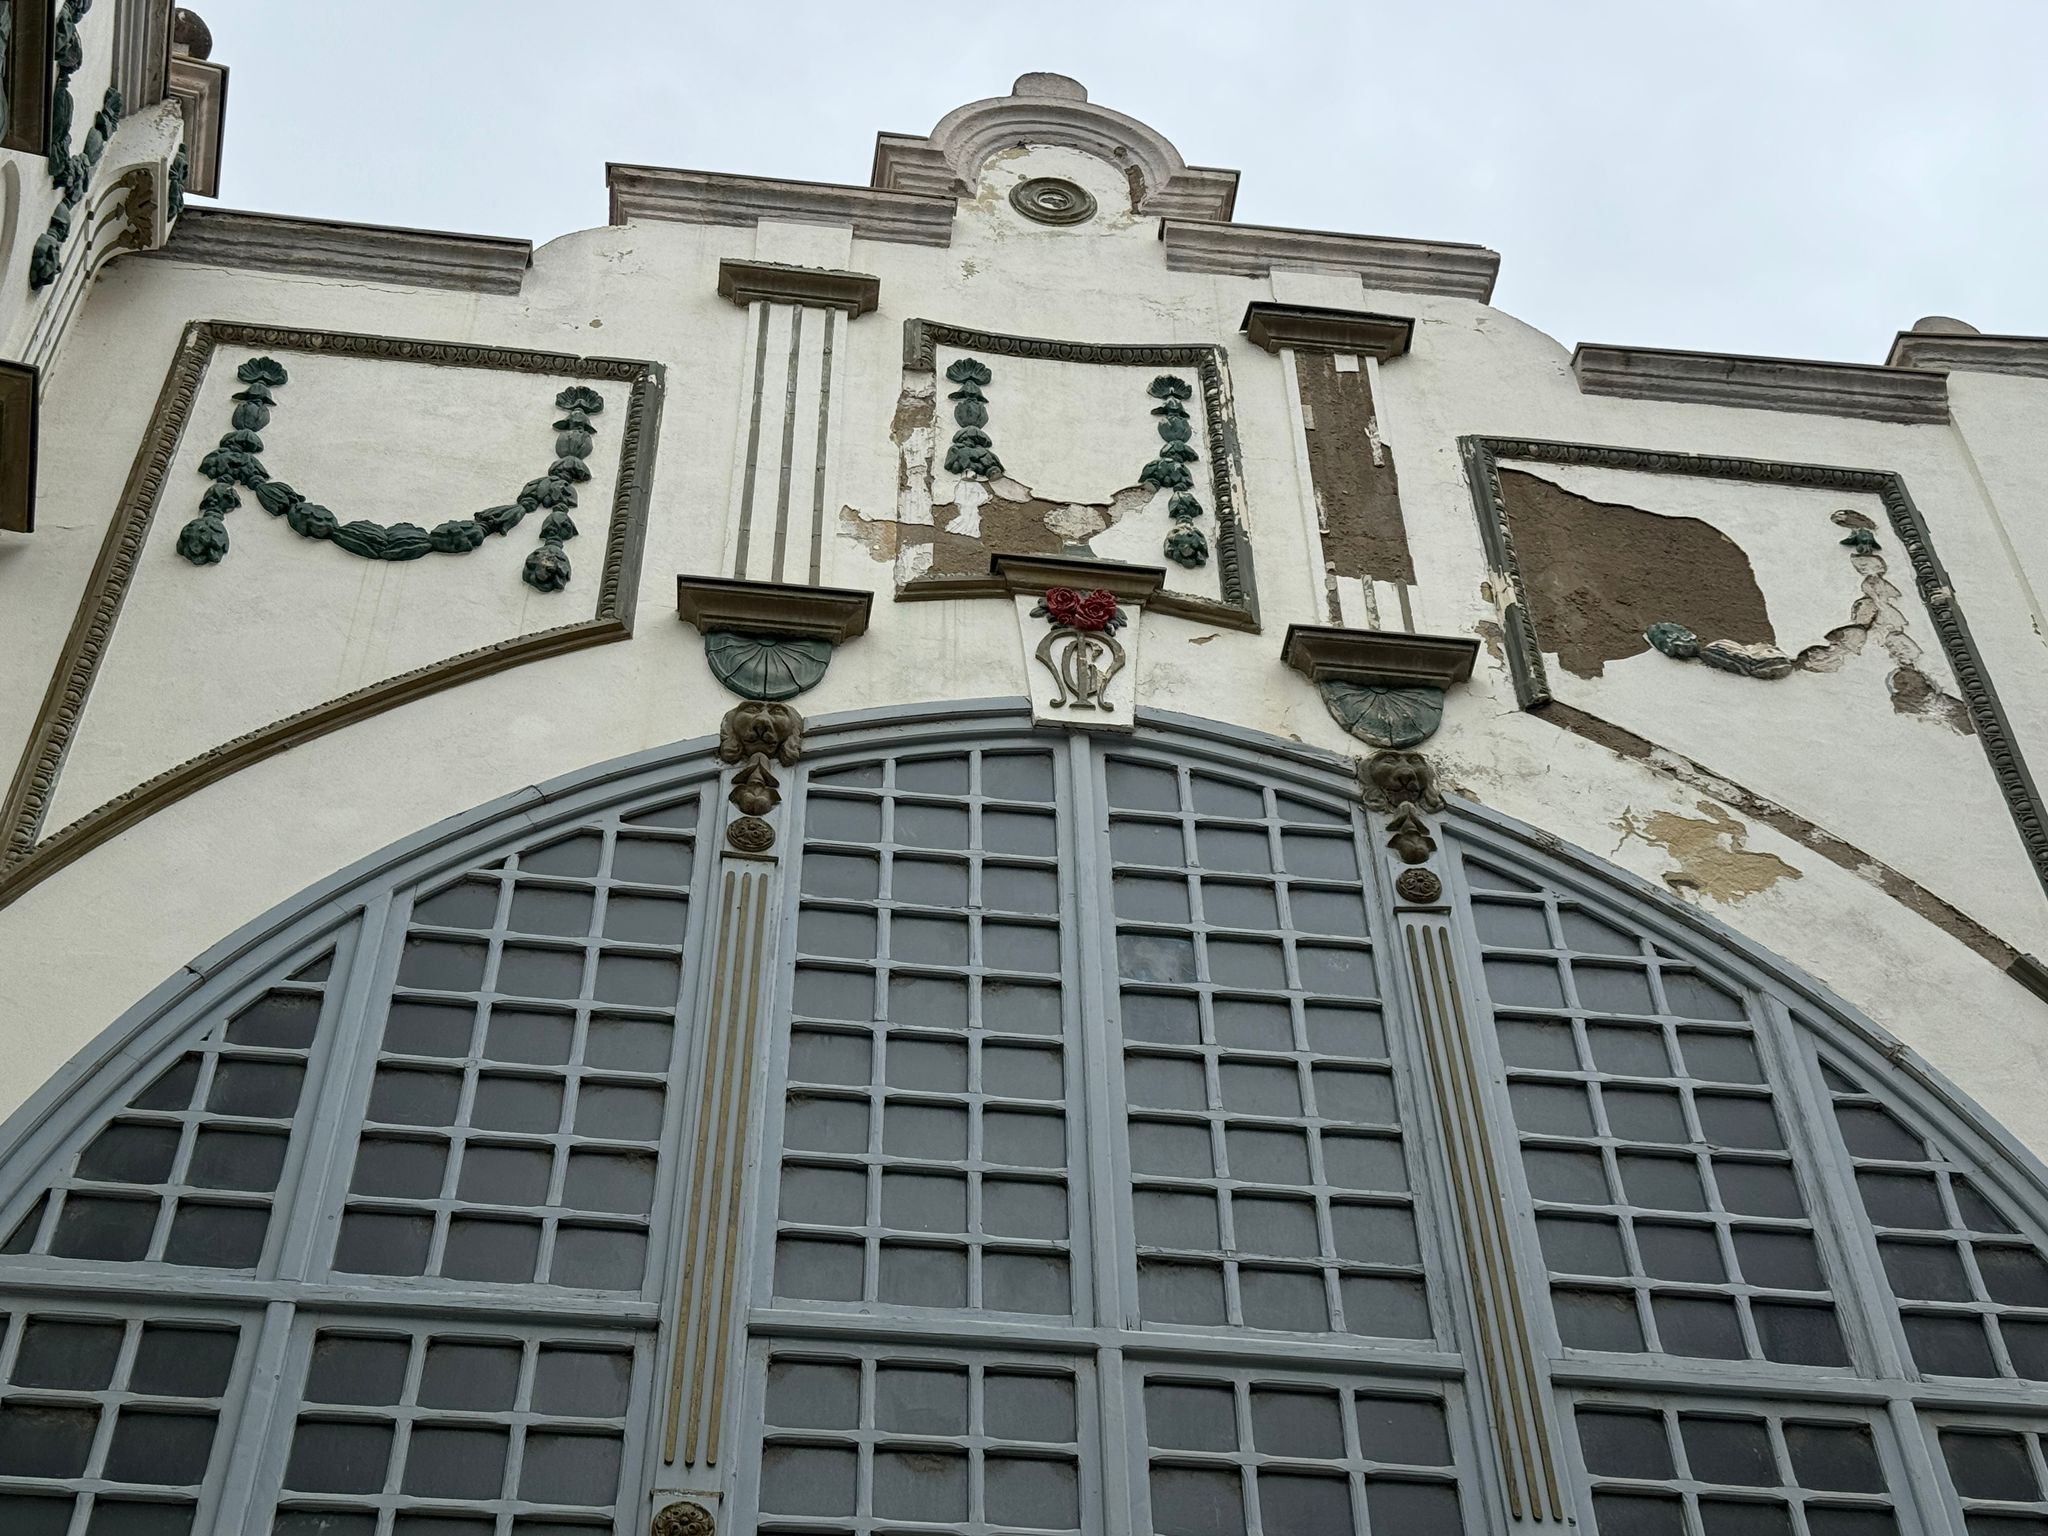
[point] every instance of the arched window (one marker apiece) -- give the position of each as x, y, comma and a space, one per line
1050, 1134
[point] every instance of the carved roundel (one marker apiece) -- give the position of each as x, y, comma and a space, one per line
1418, 886
1052, 200
750, 834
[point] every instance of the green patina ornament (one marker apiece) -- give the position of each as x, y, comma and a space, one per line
456, 537
1385, 717
969, 370
767, 667
220, 498
274, 496
262, 370
406, 541
546, 569
971, 451
500, 519
251, 416
360, 538
569, 469
580, 397
1166, 475
547, 492
311, 521
1186, 546
204, 540
557, 528
239, 441
1861, 541
1167, 387
1674, 640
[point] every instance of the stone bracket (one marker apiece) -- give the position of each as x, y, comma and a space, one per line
788, 609
1310, 328
773, 282
1378, 658
1035, 575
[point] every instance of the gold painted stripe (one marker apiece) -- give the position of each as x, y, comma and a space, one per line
1537, 1426
749, 1020
1470, 1219
697, 1179
743, 937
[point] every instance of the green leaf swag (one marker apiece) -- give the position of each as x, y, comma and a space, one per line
971, 453
204, 540
70, 173
1185, 545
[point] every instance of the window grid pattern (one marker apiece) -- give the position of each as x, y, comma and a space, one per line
1973, 1290
496, 1431
882, 1439
2000, 1476
925, 1122
1667, 1201
517, 1110
1712, 1471
1265, 1455
1270, 1181
186, 1173
107, 1423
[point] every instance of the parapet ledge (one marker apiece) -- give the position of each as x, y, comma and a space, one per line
2026, 356
1863, 390
370, 253
1452, 268
708, 197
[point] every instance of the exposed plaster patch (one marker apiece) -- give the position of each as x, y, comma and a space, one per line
1877, 616
1597, 574
1201, 639
1711, 852
1496, 640
1358, 494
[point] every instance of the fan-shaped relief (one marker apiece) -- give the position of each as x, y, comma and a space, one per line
523, 1081
1674, 1206
187, 1165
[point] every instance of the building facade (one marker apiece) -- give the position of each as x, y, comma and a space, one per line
988, 853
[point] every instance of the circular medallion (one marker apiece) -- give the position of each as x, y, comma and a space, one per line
1051, 200
683, 1519
1418, 886
750, 834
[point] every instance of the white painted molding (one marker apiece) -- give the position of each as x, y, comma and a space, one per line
1762, 383
1407, 266
370, 253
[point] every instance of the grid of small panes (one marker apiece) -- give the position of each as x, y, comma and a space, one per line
187, 1171
2000, 1475
1973, 1289
1668, 1206
456, 1429
924, 1128
865, 1440
1658, 1470
1270, 1182
107, 1423
1270, 1455
521, 1092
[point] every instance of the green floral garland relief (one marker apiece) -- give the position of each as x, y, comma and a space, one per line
204, 540
70, 173
971, 453
1185, 545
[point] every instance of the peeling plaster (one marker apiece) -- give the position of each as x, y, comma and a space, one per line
1710, 851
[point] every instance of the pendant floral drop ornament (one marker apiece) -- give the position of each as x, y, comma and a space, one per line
1081, 650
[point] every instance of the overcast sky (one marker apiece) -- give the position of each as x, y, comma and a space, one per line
1790, 177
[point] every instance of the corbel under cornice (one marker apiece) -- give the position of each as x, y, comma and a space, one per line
786, 609
1035, 575
774, 282
1310, 328
1378, 658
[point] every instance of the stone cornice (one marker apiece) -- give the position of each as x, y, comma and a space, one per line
1406, 266
18, 437
1307, 328
1762, 383
201, 88
1035, 575
370, 253
714, 603
2023, 355
1378, 658
744, 282
705, 197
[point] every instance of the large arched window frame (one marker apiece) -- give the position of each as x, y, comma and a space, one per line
1058, 1133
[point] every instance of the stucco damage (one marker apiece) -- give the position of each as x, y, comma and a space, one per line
1710, 851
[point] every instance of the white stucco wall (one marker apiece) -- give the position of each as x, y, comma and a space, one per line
89, 940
